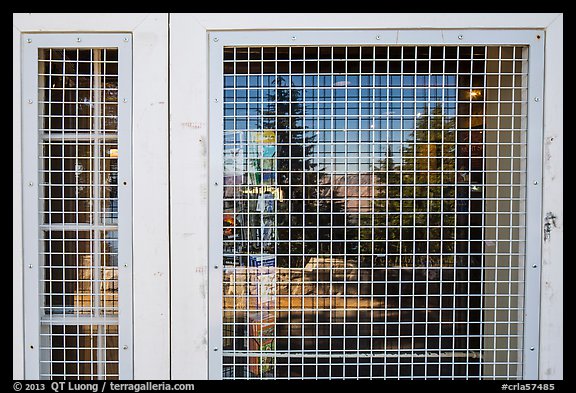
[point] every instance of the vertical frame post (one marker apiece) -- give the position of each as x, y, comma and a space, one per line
215, 190
534, 230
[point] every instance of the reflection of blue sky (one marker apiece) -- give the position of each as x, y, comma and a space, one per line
243, 82
355, 120
111, 247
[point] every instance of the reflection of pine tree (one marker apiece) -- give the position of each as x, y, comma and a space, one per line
414, 208
308, 204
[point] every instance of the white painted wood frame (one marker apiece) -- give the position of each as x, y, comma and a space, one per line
170, 170
189, 69
151, 270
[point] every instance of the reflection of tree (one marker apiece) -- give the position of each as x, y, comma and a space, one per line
309, 206
412, 221
413, 218
414, 209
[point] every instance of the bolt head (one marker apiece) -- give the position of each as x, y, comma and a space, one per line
460, 36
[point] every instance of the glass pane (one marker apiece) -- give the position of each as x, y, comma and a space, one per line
357, 218
68, 178
83, 352
80, 277
78, 117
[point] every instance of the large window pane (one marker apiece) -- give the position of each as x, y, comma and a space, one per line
362, 212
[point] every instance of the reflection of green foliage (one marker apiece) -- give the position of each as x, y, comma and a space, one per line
412, 221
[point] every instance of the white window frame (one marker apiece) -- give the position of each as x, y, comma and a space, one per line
149, 184
534, 39
33, 241
170, 241
190, 136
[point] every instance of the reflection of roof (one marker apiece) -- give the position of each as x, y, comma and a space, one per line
355, 188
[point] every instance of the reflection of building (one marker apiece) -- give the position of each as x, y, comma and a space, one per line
96, 291
357, 189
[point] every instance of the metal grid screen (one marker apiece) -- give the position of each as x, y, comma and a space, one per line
374, 211
78, 131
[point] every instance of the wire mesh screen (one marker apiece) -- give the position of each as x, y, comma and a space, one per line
373, 213
78, 110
